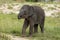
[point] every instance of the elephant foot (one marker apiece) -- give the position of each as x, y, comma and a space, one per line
23, 36
30, 35
35, 32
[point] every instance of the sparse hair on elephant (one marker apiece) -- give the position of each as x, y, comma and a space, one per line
33, 16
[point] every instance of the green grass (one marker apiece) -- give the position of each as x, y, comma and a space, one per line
11, 25
3, 36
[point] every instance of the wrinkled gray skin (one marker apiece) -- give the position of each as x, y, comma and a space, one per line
33, 16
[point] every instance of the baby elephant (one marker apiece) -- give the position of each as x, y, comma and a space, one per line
33, 16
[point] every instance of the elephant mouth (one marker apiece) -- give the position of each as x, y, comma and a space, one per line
21, 17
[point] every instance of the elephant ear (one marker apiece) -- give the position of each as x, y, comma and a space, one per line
31, 11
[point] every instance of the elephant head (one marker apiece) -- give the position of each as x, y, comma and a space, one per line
25, 12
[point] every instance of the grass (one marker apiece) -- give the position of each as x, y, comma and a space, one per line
51, 8
11, 25
9, 7
3, 36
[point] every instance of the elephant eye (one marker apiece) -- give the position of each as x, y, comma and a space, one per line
24, 11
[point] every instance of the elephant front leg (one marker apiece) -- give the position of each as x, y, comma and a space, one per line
31, 28
25, 25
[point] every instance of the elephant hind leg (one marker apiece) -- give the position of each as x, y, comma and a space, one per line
35, 28
42, 25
